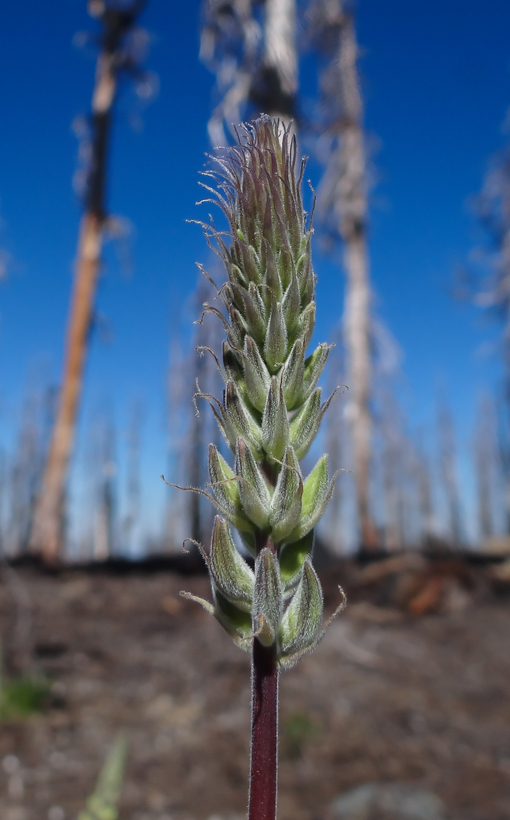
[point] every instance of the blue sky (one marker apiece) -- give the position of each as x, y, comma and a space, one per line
436, 79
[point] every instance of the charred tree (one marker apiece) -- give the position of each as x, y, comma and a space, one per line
274, 86
133, 487
449, 472
25, 475
47, 534
343, 208
392, 486
104, 524
484, 452
250, 45
491, 292
230, 46
421, 470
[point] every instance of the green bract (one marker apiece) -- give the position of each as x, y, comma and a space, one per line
271, 407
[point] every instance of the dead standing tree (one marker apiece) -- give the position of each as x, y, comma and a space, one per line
422, 478
133, 484
485, 462
449, 472
229, 46
342, 205
117, 21
104, 513
255, 62
275, 84
492, 294
393, 480
28, 463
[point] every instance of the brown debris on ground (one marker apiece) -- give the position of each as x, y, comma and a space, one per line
387, 697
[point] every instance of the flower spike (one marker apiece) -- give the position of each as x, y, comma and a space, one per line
271, 408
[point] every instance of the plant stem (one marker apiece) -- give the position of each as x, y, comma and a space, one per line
264, 734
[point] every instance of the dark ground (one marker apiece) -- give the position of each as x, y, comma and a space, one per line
385, 697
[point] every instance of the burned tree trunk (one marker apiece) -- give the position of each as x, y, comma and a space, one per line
47, 535
392, 487
358, 345
229, 47
274, 87
133, 488
342, 201
24, 477
449, 470
353, 229
484, 460
491, 292
104, 539
255, 63
423, 483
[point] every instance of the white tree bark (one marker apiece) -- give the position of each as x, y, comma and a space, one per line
255, 63
357, 338
484, 452
280, 56
342, 204
449, 470
352, 211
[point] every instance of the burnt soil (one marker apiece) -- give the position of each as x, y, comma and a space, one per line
386, 697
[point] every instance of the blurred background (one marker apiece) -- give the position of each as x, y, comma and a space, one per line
109, 109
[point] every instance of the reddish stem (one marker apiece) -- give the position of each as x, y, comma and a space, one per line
264, 734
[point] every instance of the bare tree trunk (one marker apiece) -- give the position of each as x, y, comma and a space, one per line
3, 494
21, 478
393, 540
504, 433
47, 535
104, 529
342, 205
449, 469
357, 333
422, 478
229, 47
275, 87
25, 477
484, 447
254, 62
398, 487
352, 207
133, 489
